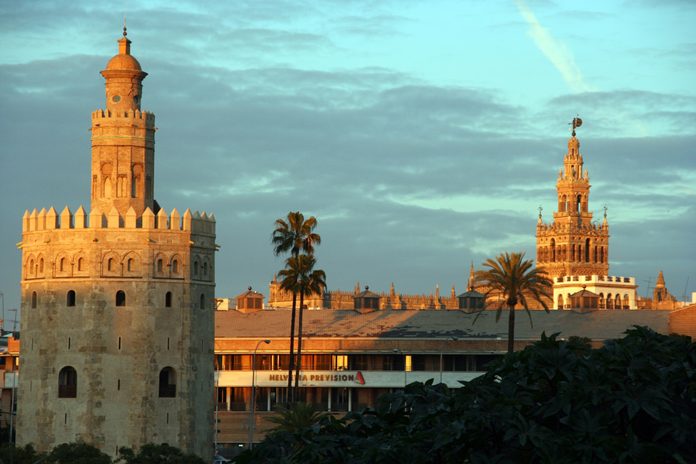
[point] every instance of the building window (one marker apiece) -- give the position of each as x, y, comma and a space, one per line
33, 299
61, 265
120, 298
41, 265
110, 264
70, 299
159, 266
80, 264
167, 383
130, 265
175, 266
195, 268
168, 300
202, 301
205, 269
67, 382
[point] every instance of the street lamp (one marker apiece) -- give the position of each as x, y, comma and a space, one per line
452, 339
253, 394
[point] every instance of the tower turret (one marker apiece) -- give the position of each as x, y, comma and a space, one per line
123, 139
572, 244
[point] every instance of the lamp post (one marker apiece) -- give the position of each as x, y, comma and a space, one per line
252, 413
452, 339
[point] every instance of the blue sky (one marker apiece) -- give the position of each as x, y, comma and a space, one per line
423, 135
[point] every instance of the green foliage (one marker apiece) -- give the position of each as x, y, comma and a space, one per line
76, 453
157, 454
516, 280
19, 454
634, 400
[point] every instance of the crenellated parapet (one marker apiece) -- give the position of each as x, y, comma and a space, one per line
100, 116
81, 245
196, 223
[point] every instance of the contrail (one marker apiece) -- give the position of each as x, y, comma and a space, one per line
557, 53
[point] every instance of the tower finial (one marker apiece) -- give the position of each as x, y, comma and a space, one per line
577, 122
125, 30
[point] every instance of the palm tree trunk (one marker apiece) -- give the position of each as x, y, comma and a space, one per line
511, 329
298, 366
288, 399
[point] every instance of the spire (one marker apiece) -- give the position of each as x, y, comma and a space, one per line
660, 280
471, 276
124, 42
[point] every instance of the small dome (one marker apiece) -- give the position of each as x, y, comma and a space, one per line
123, 62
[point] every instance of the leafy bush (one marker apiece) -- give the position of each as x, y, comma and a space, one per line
157, 454
633, 400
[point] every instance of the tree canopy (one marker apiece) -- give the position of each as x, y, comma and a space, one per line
633, 400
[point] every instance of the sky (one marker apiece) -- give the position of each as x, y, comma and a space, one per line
422, 135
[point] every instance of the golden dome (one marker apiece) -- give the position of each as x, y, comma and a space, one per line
123, 62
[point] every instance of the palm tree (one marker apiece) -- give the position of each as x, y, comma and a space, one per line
299, 276
294, 235
517, 281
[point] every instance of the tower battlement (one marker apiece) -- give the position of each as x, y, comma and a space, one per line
196, 222
132, 114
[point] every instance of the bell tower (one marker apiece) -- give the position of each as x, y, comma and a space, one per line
123, 139
572, 244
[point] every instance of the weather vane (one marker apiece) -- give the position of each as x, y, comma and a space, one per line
605, 211
125, 32
577, 122
540, 210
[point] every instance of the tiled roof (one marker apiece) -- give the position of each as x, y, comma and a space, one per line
596, 325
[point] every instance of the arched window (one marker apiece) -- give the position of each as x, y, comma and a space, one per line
41, 265
31, 266
601, 254
70, 299
130, 264
175, 266
80, 264
578, 203
159, 265
167, 383
61, 265
587, 250
67, 382
168, 300
120, 298
594, 256
110, 264
202, 301
205, 269
572, 252
553, 250
33, 299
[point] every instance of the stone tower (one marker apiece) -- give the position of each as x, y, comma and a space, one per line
572, 244
118, 303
